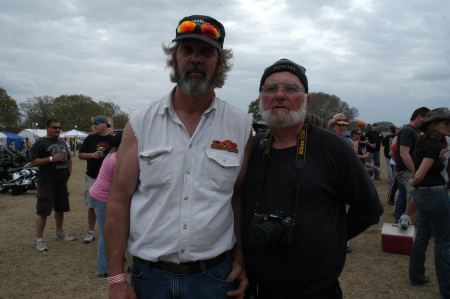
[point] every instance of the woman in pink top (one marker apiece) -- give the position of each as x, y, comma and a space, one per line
99, 193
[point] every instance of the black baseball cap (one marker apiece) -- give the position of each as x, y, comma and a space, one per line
286, 65
209, 36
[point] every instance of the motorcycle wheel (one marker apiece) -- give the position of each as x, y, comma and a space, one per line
4, 190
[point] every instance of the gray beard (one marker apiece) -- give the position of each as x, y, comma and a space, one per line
194, 85
283, 120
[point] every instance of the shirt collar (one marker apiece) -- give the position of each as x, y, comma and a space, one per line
168, 104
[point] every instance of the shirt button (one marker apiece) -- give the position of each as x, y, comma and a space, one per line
185, 226
149, 162
182, 250
190, 145
186, 198
188, 172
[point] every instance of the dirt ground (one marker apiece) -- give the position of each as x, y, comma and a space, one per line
67, 270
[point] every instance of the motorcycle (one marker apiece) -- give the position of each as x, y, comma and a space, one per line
16, 177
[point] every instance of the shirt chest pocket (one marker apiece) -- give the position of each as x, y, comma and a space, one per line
221, 171
155, 167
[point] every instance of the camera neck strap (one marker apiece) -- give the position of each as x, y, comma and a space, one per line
299, 163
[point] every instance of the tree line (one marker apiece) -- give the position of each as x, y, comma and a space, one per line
77, 111
72, 111
325, 106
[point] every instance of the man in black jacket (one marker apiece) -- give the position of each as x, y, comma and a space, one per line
299, 178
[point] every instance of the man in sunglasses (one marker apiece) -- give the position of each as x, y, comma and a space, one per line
50, 155
299, 179
373, 146
94, 149
176, 194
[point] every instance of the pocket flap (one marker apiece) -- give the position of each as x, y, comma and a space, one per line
223, 159
155, 151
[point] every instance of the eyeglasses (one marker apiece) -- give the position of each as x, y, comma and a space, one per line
290, 88
358, 133
55, 128
342, 119
96, 123
207, 30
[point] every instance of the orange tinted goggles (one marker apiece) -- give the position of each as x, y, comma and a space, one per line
207, 30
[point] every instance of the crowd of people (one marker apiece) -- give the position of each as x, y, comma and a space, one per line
420, 164
207, 210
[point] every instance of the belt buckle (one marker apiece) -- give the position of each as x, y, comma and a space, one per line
175, 269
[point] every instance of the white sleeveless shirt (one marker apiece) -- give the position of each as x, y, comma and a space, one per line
181, 210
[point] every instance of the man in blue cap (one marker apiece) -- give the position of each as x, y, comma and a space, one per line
94, 149
176, 199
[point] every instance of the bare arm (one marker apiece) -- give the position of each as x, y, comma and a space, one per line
367, 164
117, 222
238, 271
38, 162
355, 146
362, 142
422, 171
391, 153
70, 168
406, 157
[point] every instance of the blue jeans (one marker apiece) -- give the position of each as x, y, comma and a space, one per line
369, 171
390, 171
434, 214
100, 212
400, 204
375, 157
149, 282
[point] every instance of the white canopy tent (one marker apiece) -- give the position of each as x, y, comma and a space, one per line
3, 138
33, 134
74, 133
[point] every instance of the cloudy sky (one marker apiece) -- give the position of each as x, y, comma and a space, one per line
386, 58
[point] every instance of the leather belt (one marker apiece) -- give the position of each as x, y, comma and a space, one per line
433, 187
186, 268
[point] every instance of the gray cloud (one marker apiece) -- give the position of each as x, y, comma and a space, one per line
385, 58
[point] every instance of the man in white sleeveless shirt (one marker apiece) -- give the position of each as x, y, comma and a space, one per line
176, 200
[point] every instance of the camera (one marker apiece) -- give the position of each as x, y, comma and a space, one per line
271, 230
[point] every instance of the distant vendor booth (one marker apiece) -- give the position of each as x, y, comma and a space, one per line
13, 141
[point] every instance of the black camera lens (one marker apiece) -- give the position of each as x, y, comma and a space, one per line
266, 233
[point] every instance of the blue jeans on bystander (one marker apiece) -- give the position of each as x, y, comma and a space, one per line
400, 204
375, 157
389, 170
100, 212
434, 213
